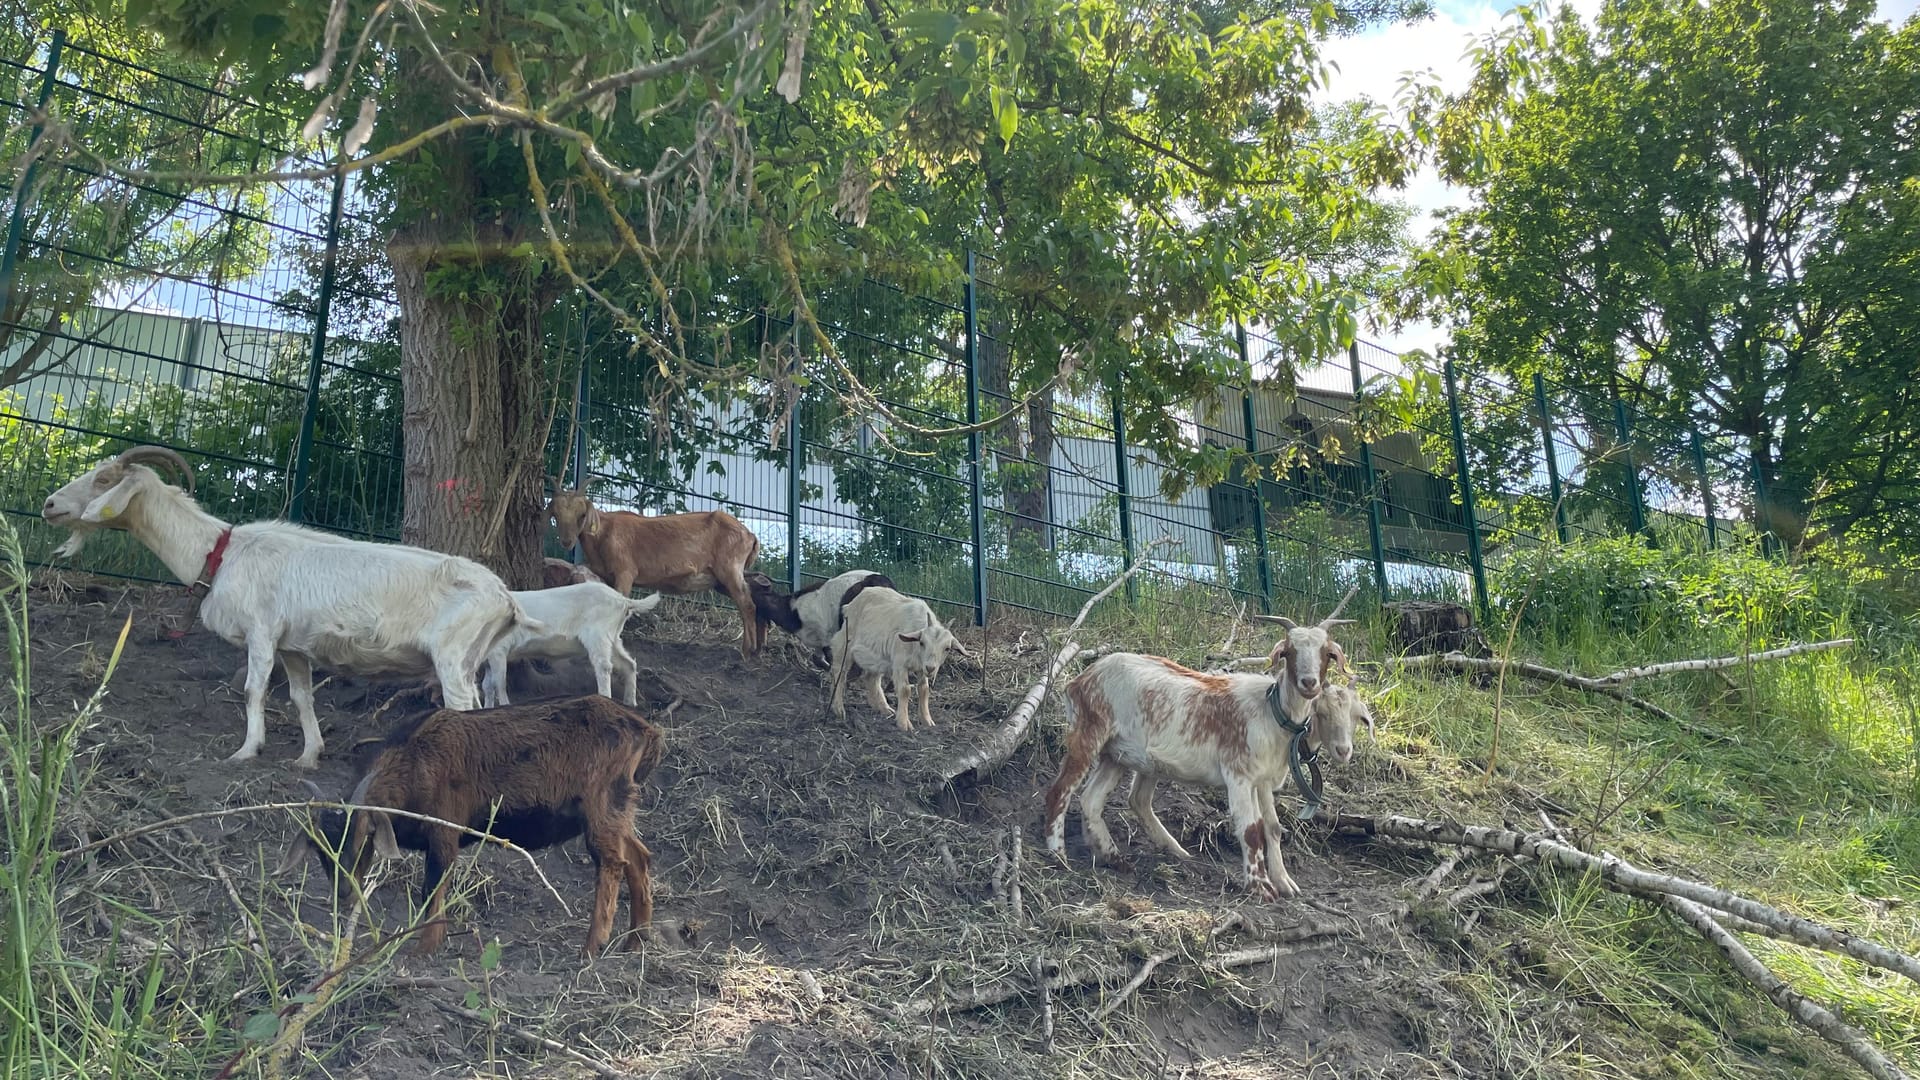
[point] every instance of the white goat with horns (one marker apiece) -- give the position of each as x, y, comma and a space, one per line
303, 596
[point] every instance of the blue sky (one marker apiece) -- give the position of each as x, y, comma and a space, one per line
1371, 64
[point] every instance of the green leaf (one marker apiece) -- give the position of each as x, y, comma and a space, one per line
490, 956
547, 19
1007, 111
260, 1027
937, 27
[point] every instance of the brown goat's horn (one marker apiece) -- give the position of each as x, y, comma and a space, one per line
1332, 618
159, 455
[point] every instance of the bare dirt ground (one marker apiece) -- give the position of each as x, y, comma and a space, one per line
820, 914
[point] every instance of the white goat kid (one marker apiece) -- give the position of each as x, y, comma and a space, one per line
575, 620
1151, 718
301, 596
887, 632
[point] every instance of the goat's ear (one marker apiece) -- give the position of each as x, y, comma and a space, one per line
299, 851
1366, 717
384, 844
961, 648
111, 505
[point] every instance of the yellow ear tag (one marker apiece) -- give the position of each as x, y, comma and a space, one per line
107, 512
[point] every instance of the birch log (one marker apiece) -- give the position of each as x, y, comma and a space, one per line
1816, 1017
1623, 875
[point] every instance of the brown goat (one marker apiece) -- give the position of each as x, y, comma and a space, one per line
676, 553
555, 769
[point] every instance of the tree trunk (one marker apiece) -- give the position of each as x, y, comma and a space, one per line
475, 422
1783, 510
1021, 461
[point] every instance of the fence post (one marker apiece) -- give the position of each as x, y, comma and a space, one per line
975, 478
1258, 489
796, 462
17, 220
1706, 489
1474, 558
1553, 459
1636, 513
303, 444
1122, 488
1373, 487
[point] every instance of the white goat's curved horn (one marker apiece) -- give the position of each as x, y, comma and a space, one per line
1284, 622
159, 455
1337, 609
313, 789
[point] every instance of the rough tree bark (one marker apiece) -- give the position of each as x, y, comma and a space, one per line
1022, 456
472, 371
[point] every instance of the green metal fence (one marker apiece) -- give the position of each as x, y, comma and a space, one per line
251, 330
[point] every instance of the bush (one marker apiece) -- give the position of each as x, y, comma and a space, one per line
1620, 585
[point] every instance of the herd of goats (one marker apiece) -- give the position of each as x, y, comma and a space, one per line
537, 774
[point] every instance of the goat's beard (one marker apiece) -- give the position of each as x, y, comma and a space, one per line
76, 539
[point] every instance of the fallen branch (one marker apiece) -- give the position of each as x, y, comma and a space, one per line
1015, 906
1285, 943
599, 1067
1649, 670
1263, 955
1455, 661
1002, 743
1622, 875
1041, 969
1817, 1018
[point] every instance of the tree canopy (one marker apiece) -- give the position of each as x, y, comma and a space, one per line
1708, 209
1129, 168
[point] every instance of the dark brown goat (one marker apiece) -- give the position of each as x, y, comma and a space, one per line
676, 553
556, 769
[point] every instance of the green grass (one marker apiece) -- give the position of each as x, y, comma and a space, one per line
1794, 782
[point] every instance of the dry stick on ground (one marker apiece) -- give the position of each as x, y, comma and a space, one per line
1286, 942
1001, 745
1620, 874
1015, 906
313, 804
1041, 969
599, 1068
1816, 1017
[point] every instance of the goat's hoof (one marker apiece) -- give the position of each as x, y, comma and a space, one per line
244, 754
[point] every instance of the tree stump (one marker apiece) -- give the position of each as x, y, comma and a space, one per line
1431, 626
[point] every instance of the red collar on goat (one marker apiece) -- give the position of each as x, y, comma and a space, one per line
214, 558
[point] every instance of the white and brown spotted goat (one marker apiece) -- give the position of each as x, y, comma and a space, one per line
1151, 718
